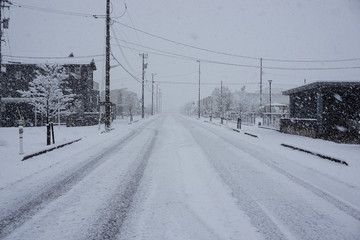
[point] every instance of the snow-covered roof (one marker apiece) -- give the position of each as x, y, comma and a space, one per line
316, 85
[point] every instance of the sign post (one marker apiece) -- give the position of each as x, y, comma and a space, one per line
21, 134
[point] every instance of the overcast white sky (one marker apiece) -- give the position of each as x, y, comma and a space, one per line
277, 29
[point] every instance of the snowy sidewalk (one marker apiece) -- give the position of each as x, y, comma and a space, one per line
272, 139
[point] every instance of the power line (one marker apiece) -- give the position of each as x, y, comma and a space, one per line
32, 57
55, 11
184, 57
311, 61
122, 52
184, 44
132, 75
159, 54
235, 55
162, 51
132, 23
77, 14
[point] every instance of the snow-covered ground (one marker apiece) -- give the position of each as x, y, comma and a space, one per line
173, 177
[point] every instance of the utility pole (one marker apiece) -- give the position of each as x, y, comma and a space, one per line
270, 100
107, 69
1, 7
199, 92
261, 75
144, 66
221, 103
5, 23
160, 101
152, 93
157, 98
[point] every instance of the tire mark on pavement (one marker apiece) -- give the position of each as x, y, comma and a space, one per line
347, 208
258, 217
16, 217
112, 219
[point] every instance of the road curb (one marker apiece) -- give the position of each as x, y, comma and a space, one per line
252, 135
315, 154
49, 150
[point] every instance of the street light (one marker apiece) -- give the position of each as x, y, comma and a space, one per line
152, 93
270, 100
199, 91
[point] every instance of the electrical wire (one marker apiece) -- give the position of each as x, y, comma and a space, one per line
236, 55
184, 44
122, 32
184, 57
132, 75
77, 14
132, 23
32, 57
122, 52
55, 11
216, 83
122, 13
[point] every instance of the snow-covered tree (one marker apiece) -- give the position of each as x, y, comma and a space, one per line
222, 100
47, 92
207, 106
131, 104
240, 103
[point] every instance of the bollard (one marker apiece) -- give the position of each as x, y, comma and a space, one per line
21, 133
48, 134
52, 132
238, 123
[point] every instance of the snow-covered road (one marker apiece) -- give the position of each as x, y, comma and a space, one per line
173, 177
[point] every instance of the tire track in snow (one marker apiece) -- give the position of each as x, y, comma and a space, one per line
111, 221
14, 218
315, 225
341, 205
258, 216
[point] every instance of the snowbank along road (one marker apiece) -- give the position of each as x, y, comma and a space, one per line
179, 178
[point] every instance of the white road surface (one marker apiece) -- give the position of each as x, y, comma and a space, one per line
172, 177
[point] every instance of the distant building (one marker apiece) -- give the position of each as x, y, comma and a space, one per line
272, 116
279, 107
328, 110
17, 76
126, 102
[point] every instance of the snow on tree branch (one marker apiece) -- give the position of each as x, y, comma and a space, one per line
47, 91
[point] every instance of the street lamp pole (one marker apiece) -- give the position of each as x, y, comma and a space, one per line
152, 93
199, 91
270, 100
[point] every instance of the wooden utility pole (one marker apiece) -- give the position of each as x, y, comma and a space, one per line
261, 73
157, 98
270, 101
221, 103
160, 100
152, 93
199, 92
144, 66
1, 7
2, 22
107, 69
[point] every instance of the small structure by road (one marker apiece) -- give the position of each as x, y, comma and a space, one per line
327, 110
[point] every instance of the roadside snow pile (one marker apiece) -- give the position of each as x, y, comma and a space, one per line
272, 140
12, 166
